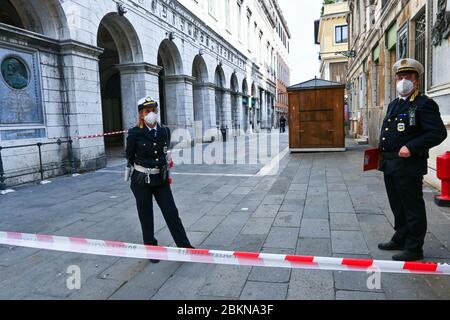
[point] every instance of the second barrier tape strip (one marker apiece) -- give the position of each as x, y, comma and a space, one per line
100, 135
127, 250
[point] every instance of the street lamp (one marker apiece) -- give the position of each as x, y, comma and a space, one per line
348, 54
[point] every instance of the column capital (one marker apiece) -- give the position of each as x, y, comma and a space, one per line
207, 85
71, 47
180, 78
142, 67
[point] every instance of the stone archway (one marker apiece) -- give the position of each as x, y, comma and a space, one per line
46, 17
9, 15
200, 97
170, 97
121, 47
21, 58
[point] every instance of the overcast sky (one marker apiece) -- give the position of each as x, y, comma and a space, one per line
304, 54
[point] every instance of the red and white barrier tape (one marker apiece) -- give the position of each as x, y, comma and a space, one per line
127, 250
101, 135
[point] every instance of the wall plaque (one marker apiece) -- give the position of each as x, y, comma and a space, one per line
20, 88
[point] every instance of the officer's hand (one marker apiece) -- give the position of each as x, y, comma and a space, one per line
404, 153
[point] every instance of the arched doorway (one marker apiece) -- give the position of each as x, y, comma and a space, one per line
22, 86
245, 105
219, 81
235, 114
120, 46
110, 88
9, 15
169, 59
200, 75
45, 17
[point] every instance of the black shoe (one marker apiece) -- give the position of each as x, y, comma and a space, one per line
154, 261
408, 256
390, 246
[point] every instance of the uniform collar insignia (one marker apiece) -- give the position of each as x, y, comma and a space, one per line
414, 96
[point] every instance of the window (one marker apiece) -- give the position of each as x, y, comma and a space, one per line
212, 8
248, 32
420, 45
239, 21
227, 14
402, 43
341, 34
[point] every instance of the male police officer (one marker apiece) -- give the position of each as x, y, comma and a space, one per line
413, 125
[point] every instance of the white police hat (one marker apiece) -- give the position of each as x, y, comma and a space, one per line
408, 65
147, 102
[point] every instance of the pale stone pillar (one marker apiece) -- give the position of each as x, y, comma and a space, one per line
179, 103
80, 65
137, 80
263, 111
227, 111
210, 117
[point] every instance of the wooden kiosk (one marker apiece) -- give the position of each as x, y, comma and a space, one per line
316, 116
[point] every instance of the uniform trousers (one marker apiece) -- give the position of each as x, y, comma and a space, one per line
163, 195
406, 199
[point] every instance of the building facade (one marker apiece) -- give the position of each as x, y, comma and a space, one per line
381, 33
282, 64
332, 36
77, 68
331, 33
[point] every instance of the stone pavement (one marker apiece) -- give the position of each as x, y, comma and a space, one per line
318, 204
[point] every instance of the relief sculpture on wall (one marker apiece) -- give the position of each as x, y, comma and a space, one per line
14, 73
441, 28
20, 89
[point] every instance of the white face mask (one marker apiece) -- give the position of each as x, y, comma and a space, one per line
405, 87
151, 118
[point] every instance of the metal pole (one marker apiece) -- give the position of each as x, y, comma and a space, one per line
2, 173
41, 168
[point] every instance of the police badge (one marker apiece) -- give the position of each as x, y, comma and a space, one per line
401, 127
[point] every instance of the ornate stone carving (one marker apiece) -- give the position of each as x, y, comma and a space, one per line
441, 28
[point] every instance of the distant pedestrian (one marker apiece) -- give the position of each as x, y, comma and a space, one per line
283, 124
413, 125
147, 148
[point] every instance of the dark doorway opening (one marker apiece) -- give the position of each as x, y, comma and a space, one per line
111, 92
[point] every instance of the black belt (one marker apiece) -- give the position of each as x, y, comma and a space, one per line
390, 155
394, 155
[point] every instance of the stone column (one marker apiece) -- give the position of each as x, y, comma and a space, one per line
206, 111
137, 81
179, 103
264, 110
227, 111
209, 115
80, 67
234, 114
271, 112
239, 115
252, 115
246, 119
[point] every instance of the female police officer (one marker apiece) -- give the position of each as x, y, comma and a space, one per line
147, 147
